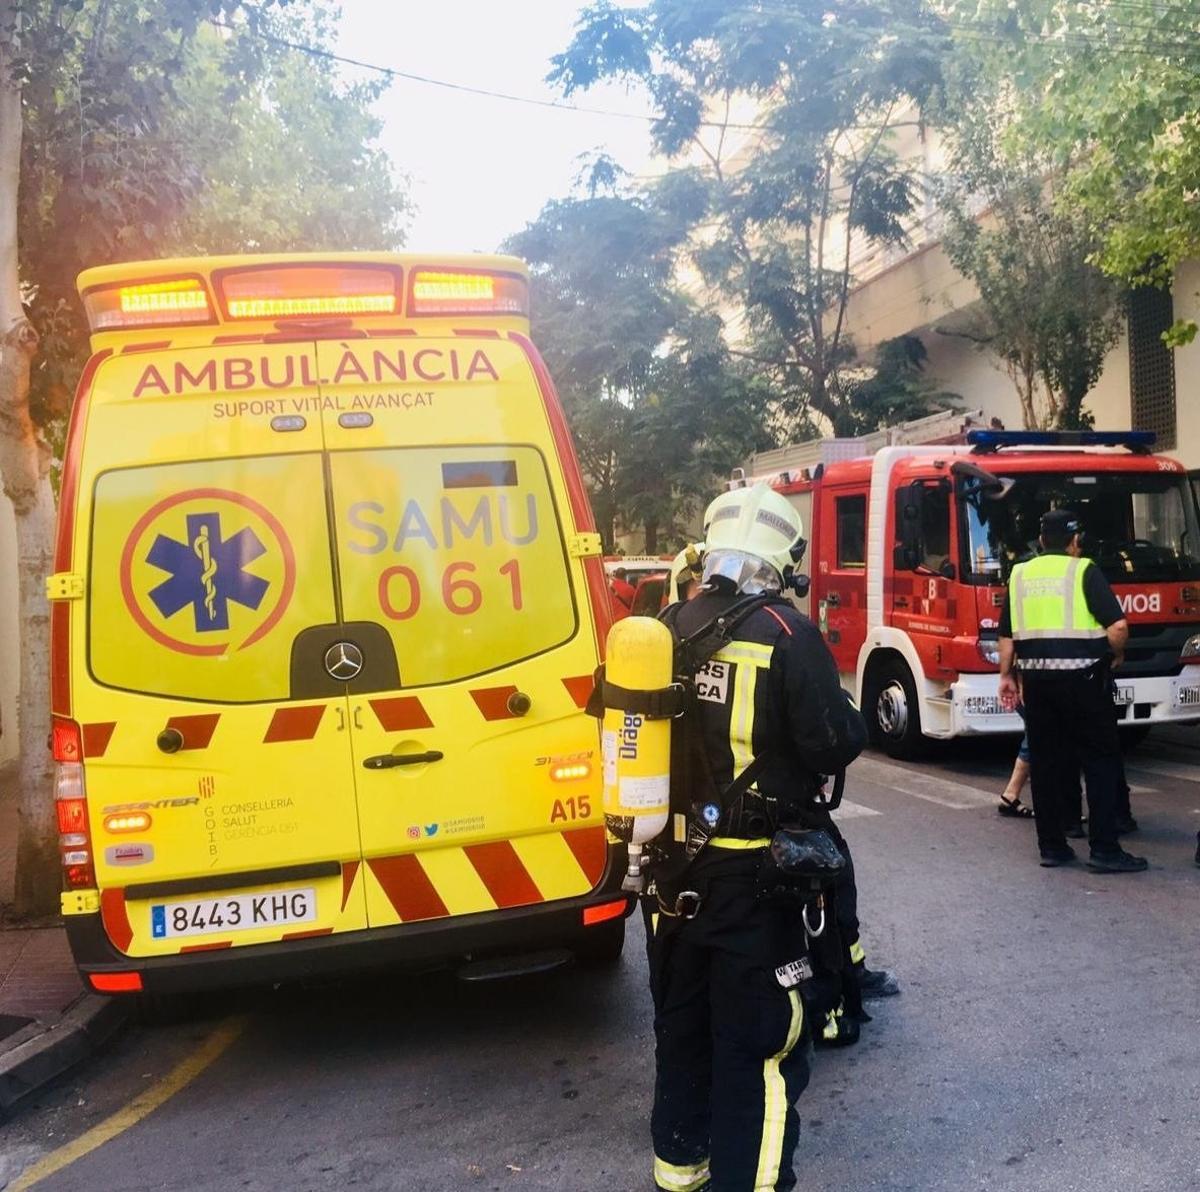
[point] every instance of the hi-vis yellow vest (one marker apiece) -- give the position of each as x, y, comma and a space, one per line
1052, 626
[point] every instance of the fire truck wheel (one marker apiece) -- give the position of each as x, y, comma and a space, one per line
892, 712
600, 946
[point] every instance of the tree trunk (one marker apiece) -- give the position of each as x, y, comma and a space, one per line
651, 525
24, 473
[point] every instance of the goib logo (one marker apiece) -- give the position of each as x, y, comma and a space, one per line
207, 570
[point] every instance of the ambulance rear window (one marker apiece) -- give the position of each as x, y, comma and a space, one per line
203, 573
457, 551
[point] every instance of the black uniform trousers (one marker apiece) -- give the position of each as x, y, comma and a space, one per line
1072, 725
731, 1047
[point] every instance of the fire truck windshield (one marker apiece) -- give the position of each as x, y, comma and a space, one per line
1140, 527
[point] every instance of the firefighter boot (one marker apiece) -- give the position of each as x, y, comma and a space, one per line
875, 983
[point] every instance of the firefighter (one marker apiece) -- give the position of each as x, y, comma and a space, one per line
1061, 633
686, 569
731, 1055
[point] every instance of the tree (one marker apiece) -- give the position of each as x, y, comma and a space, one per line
1048, 313
654, 401
773, 205
130, 130
896, 389
1113, 101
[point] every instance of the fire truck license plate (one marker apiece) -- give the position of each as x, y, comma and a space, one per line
238, 912
1122, 695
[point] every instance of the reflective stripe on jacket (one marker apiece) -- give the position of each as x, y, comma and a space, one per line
1052, 626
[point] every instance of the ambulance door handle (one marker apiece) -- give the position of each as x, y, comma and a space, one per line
358, 718
341, 715
385, 761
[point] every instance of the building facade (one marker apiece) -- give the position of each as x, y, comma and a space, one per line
917, 291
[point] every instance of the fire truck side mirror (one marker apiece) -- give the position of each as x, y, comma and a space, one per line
910, 501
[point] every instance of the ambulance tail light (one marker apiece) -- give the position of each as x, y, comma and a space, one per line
308, 291
70, 805
463, 292
605, 911
177, 302
1190, 654
126, 982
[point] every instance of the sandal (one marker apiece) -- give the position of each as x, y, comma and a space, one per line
1014, 808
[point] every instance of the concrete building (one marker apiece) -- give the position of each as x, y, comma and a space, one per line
917, 291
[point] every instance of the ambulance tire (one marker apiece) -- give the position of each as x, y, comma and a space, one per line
892, 712
600, 946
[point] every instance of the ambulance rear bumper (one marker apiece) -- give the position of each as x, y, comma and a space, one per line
430, 944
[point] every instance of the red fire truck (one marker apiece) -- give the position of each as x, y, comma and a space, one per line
911, 549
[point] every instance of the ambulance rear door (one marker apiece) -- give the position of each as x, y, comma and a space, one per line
218, 762
478, 784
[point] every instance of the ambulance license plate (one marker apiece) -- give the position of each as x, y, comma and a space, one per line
1187, 697
1122, 696
237, 912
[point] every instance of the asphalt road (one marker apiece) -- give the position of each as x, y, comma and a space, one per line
1046, 1038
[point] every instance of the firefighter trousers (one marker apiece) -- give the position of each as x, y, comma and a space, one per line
731, 1048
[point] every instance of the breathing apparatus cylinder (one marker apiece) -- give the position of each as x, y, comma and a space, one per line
636, 746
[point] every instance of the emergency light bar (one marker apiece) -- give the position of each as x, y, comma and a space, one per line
177, 302
291, 291
458, 292
190, 293
985, 441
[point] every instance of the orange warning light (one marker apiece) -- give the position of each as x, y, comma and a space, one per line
308, 291
176, 302
457, 292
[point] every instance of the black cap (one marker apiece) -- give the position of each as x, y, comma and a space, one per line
1060, 523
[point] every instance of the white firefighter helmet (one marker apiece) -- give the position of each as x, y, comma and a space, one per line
754, 537
686, 568
731, 497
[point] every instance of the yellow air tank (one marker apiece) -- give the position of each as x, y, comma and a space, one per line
636, 746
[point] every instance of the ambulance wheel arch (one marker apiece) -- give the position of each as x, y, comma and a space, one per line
894, 694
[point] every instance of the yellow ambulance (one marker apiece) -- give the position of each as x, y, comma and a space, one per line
327, 602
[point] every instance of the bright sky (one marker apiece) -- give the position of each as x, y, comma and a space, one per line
481, 168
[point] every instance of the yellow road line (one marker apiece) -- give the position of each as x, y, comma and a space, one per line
144, 1103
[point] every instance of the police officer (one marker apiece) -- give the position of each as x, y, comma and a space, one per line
1061, 633
725, 966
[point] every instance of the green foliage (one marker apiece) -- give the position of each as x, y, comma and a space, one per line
897, 389
1112, 97
656, 405
149, 132
1048, 313
770, 207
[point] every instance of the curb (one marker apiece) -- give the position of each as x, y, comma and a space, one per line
36, 1061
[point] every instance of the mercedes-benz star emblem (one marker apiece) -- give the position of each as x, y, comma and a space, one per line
343, 660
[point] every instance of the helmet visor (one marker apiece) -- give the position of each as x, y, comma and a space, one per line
748, 573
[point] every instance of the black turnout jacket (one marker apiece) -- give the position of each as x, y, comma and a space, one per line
773, 691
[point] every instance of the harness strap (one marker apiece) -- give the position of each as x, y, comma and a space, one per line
660, 703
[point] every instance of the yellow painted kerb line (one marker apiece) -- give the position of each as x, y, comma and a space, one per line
143, 1104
